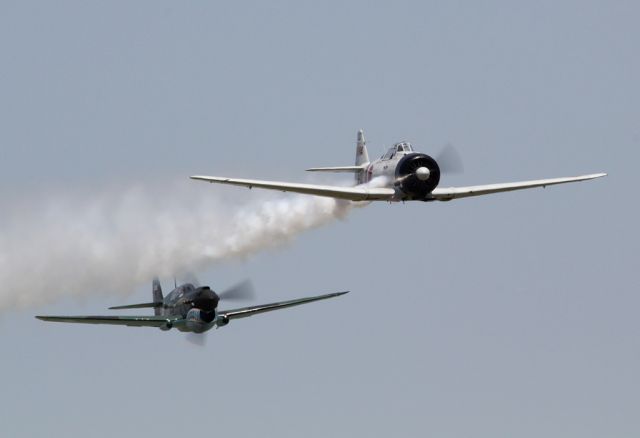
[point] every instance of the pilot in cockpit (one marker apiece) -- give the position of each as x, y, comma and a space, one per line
404, 147
398, 147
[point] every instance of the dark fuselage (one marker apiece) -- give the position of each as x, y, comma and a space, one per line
196, 305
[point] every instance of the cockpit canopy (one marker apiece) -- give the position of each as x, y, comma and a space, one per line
404, 146
398, 147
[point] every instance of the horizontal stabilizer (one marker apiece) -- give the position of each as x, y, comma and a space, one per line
352, 169
136, 306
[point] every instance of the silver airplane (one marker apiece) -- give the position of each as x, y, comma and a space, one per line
401, 174
189, 308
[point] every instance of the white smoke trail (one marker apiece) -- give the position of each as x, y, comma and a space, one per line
75, 245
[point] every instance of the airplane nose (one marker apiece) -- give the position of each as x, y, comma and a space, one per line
206, 299
423, 173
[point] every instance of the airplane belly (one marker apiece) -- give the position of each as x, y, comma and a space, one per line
195, 326
198, 321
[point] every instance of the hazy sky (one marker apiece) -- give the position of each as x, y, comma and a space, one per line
509, 315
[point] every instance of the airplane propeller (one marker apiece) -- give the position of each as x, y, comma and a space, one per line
449, 160
242, 291
190, 277
197, 339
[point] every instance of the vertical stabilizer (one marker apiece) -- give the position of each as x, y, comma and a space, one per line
362, 156
157, 296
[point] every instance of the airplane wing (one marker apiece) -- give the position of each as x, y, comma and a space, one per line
359, 193
250, 311
132, 321
447, 194
136, 306
352, 169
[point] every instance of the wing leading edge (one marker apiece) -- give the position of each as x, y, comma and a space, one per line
365, 193
447, 194
359, 193
169, 321
253, 310
352, 169
131, 321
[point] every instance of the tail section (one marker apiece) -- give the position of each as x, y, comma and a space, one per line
157, 296
157, 303
362, 156
362, 161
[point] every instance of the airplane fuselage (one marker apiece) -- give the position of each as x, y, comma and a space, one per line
411, 174
195, 305
381, 168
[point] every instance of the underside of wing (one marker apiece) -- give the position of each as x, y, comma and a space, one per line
133, 321
250, 311
446, 194
358, 193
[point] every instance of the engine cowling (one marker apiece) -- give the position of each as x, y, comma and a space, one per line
198, 320
417, 175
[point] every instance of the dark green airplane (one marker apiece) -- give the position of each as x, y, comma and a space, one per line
189, 308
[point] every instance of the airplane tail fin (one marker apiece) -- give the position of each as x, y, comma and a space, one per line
362, 161
157, 296
362, 156
157, 303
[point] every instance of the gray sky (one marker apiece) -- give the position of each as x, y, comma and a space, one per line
509, 315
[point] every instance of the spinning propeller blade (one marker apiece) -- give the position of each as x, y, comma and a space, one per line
197, 339
449, 160
242, 291
190, 277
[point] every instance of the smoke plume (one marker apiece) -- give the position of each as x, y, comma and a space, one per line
114, 241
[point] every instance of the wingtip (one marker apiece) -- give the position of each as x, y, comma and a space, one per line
335, 294
592, 176
209, 179
200, 177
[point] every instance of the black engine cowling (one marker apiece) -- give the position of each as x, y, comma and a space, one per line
407, 179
